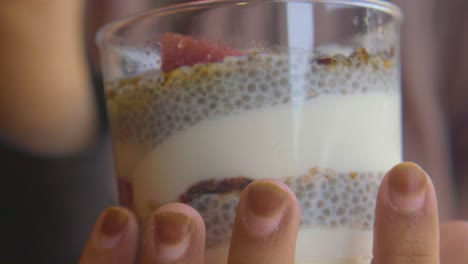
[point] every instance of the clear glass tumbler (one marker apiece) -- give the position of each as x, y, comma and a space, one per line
205, 97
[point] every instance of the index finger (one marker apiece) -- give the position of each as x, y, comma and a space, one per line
406, 224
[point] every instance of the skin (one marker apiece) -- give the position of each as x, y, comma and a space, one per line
44, 39
403, 232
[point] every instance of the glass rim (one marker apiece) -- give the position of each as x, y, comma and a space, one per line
378, 5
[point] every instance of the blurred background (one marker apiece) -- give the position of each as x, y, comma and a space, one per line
50, 204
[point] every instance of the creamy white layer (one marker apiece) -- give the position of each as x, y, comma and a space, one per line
359, 132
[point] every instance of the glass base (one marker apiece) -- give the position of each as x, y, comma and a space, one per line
318, 246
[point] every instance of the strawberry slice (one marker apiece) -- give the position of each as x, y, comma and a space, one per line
178, 50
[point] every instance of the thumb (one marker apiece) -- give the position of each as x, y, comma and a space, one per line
406, 224
113, 239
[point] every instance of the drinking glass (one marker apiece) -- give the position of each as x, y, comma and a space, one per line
205, 97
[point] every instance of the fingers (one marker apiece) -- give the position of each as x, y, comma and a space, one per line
266, 225
175, 234
454, 243
406, 224
113, 239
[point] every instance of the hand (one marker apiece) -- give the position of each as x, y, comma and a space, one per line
406, 228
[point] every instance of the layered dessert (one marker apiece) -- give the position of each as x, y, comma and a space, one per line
210, 120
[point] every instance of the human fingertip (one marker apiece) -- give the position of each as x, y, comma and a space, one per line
406, 226
266, 225
113, 222
407, 186
265, 207
172, 234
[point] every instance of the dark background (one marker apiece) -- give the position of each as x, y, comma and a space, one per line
49, 205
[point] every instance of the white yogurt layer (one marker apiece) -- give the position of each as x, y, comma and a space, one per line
359, 132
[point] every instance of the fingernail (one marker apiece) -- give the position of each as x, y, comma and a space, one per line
266, 206
113, 223
172, 232
407, 186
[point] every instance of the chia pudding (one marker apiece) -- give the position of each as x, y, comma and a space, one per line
326, 124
